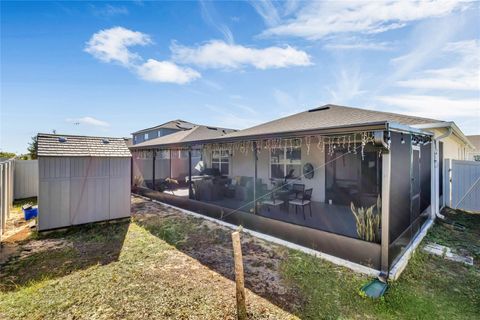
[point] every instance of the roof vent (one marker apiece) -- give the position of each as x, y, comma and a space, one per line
62, 139
319, 109
212, 128
105, 141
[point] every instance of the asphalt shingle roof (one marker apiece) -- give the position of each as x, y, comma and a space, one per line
174, 124
56, 145
197, 133
327, 116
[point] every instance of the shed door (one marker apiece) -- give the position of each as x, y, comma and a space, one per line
415, 184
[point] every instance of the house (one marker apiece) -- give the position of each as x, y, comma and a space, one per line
81, 180
474, 155
151, 165
160, 130
309, 179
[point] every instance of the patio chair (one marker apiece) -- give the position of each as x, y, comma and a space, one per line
305, 200
297, 191
271, 201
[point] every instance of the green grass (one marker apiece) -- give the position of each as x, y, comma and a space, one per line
150, 267
129, 270
430, 287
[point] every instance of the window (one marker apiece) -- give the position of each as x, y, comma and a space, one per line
163, 154
159, 133
145, 136
220, 161
286, 163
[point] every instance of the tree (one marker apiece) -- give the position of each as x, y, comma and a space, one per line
33, 148
7, 155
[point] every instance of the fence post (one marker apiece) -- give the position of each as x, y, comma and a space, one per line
2, 201
449, 182
7, 189
5, 192
240, 282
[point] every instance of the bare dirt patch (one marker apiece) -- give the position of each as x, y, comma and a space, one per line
210, 244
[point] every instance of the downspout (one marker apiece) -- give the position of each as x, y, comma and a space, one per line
437, 173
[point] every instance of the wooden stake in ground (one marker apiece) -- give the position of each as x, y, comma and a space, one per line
237, 256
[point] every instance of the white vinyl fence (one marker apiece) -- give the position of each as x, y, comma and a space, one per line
26, 179
462, 184
7, 167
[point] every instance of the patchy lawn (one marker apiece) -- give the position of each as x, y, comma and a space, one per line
163, 264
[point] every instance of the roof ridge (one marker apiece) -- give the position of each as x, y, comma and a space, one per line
76, 136
383, 112
162, 124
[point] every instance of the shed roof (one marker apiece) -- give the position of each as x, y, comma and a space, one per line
197, 133
327, 116
174, 124
56, 145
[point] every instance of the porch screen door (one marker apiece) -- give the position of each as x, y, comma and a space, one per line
415, 184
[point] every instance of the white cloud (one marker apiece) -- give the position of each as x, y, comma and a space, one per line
348, 85
166, 71
111, 45
88, 121
221, 55
435, 107
211, 17
267, 10
359, 45
462, 74
316, 20
426, 43
109, 10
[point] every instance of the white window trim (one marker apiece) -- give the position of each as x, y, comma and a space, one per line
220, 162
145, 136
285, 163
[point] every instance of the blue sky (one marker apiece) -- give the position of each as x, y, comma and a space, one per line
111, 68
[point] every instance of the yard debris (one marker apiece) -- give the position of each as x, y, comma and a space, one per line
447, 253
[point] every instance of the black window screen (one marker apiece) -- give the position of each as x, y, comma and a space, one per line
349, 178
399, 184
425, 176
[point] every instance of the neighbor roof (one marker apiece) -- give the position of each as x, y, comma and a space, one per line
475, 140
174, 124
57, 145
197, 133
327, 116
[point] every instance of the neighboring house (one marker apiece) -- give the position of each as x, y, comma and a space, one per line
128, 142
160, 130
169, 160
474, 155
297, 178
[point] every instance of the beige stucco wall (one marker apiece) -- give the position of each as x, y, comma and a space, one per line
242, 164
453, 147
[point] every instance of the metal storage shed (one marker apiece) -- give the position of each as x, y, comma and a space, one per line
82, 179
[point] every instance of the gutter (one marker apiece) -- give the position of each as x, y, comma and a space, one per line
372, 126
437, 148
451, 126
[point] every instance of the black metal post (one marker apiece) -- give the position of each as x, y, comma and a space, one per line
170, 163
255, 155
154, 155
190, 190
